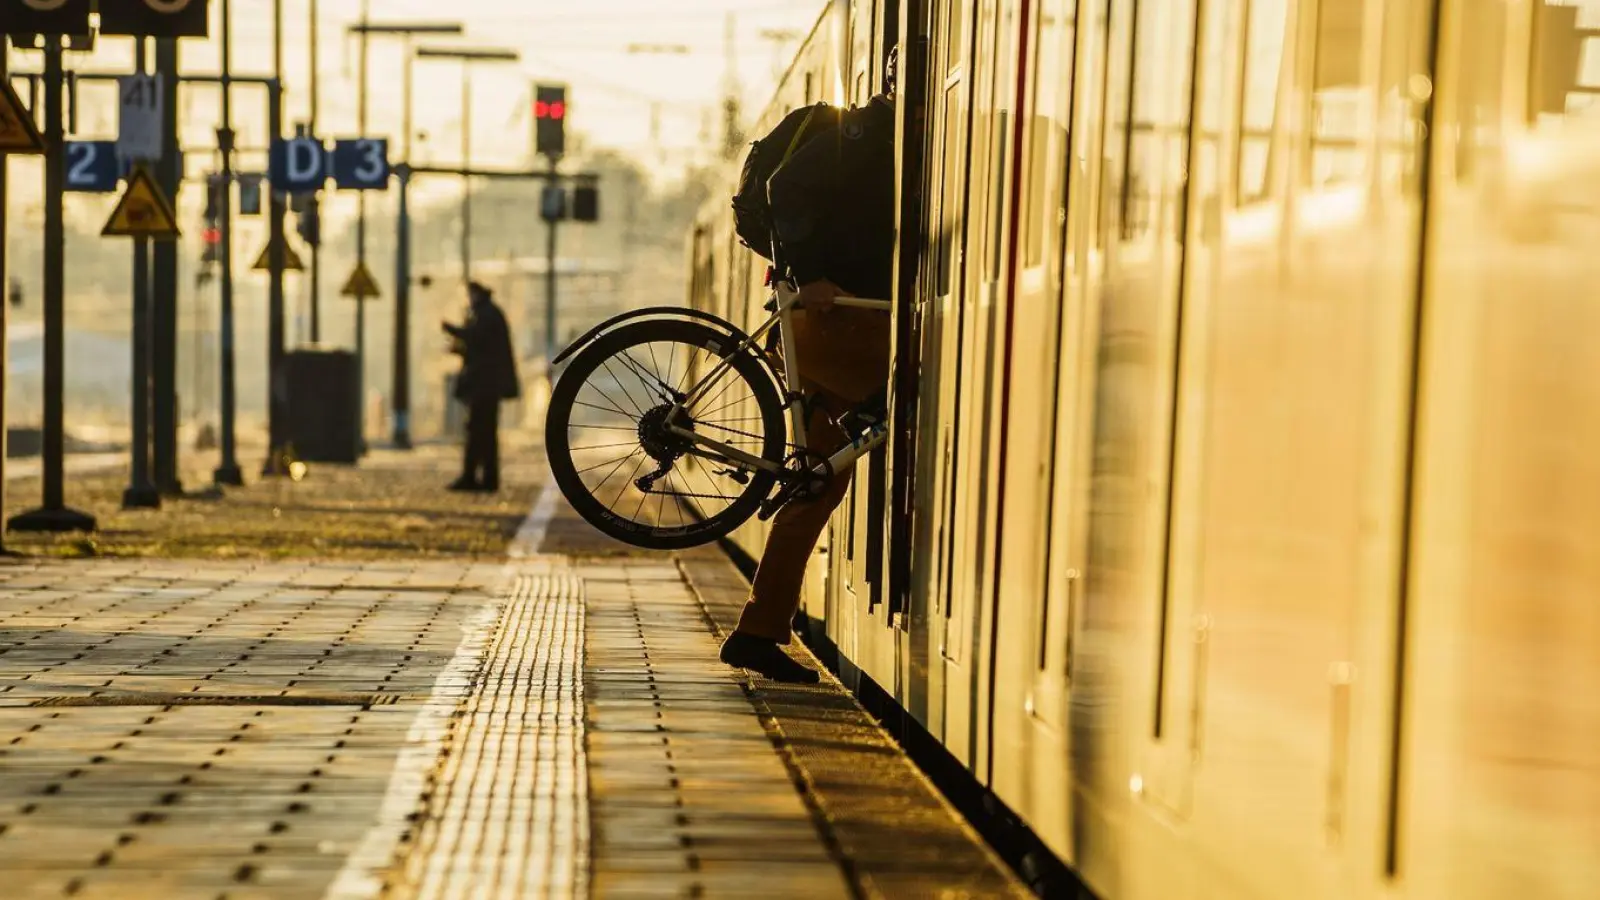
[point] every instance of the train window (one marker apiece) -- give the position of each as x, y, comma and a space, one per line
1557, 62
1407, 85
950, 204
1158, 140
1214, 73
1339, 43
956, 39
1266, 24
1339, 107
1052, 103
1483, 40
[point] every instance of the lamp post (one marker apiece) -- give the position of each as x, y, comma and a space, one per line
401, 392
467, 57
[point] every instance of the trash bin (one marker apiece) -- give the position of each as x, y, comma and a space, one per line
324, 408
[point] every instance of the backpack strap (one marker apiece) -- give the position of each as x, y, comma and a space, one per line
794, 139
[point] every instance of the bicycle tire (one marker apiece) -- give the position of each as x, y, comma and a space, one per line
607, 353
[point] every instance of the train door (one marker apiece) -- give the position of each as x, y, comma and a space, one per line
1143, 336
857, 525
964, 647
940, 378
1051, 381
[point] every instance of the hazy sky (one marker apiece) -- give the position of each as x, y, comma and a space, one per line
614, 94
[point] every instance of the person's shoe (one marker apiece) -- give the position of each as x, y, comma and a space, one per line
758, 654
489, 487
464, 484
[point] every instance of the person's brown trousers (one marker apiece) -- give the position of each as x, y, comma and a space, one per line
844, 356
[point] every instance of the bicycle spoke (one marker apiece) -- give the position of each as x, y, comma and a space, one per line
608, 462
622, 387
628, 482
666, 390
605, 446
644, 496
724, 406
601, 408
731, 383
712, 484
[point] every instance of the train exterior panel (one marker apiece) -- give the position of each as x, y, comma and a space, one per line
1253, 545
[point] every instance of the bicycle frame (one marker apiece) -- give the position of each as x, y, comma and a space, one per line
787, 300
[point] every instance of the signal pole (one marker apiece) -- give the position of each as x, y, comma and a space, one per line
5, 298
550, 141
277, 378
164, 271
141, 492
316, 248
361, 253
227, 472
53, 514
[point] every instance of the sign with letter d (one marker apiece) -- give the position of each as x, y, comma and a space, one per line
298, 165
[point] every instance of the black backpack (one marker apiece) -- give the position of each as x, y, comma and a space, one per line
752, 214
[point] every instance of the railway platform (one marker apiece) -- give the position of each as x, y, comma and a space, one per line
549, 723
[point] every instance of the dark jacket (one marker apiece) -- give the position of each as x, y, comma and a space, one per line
833, 204
488, 364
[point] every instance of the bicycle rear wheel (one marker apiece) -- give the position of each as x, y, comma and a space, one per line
621, 467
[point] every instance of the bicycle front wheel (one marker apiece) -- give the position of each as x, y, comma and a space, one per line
617, 448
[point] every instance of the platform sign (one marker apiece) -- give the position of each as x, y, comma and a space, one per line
92, 167
139, 119
18, 134
291, 260
26, 18
143, 210
298, 165
361, 164
361, 284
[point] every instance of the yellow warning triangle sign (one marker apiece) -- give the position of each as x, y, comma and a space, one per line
143, 210
291, 259
18, 134
361, 285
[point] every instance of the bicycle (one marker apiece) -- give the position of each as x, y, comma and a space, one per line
669, 420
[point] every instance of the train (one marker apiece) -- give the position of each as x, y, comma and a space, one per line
1239, 533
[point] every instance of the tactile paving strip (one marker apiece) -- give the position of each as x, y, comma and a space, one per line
895, 834
687, 796
505, 813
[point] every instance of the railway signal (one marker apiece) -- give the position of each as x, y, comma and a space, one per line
154, 18
550, 119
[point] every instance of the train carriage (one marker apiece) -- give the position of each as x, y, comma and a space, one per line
1251, 545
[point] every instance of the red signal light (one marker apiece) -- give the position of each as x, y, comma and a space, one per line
211, 236
551, 110
558, 110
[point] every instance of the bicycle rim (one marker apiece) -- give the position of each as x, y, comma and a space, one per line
630, 476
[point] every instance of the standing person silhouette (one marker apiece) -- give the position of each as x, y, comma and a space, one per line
488, 377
